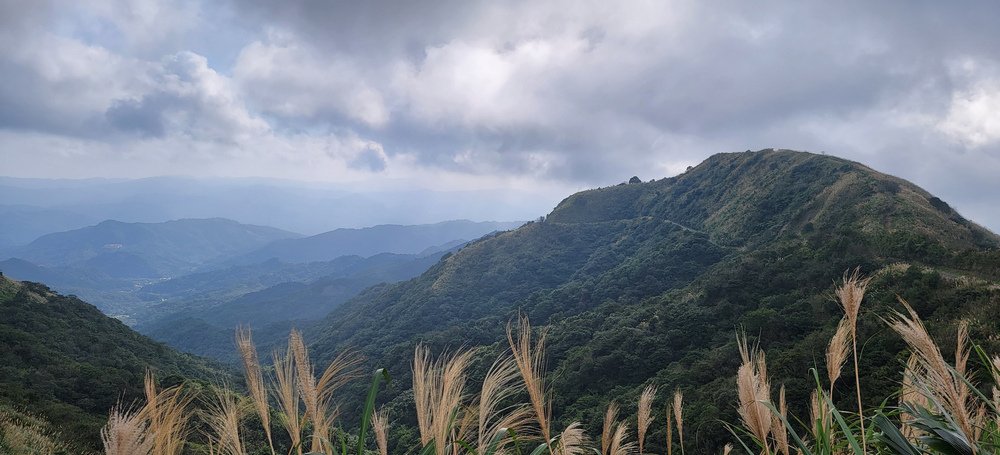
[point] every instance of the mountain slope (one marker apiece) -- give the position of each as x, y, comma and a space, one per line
145, 250
66, 362
20, 224
203, 322
386, 238
651, 280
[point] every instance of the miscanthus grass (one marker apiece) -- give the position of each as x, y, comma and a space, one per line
944, 405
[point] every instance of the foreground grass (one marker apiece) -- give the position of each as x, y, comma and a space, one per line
940, 408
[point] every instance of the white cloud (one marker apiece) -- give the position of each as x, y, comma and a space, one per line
283, 78
580, 92
974, 115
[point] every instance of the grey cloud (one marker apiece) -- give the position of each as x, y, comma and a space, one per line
582, 92
368, 159
144, 117
190, 99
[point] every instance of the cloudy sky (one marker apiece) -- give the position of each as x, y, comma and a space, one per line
546, 95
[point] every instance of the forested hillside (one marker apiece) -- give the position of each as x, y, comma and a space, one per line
67, 363
652, 280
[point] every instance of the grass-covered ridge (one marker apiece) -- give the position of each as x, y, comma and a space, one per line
651, 280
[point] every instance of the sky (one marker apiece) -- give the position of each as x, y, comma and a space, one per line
542, 96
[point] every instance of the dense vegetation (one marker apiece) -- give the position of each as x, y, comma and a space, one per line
65, 362
651, 280
199, 312
940, 407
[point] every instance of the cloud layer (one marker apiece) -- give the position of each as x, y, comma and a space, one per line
558, 95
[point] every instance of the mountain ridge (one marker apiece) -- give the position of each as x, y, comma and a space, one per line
649, 280
382, 238
150, 249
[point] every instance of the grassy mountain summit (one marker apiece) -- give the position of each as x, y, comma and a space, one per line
66, 362
756, 197
652, 280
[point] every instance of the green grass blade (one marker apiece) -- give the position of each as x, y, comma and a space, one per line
844, 427
795, 436
893, 438
366, 416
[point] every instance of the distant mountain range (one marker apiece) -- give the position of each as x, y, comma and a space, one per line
203, 322
148, 250
215, 273
20, 224
390, 238
34, 207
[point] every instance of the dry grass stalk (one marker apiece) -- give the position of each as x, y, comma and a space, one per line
502, 381
727, 449
619, 441
962, 359
287, 393
910, 393
837, 352
754, 393
679, 416
21, 437
610, 420
644, 416
318, 395
438, 391
670, 430
821, 419
530, 362
572, 441
255, 380
850, 294
935, 377
306, 381
380, 427
125, 433
779, 429
995, 373
166, 412
25, 434
223, 420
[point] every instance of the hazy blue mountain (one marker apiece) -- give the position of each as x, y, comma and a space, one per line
69, 280
148, 250
20, 224
308, 208
368, 241
203, 322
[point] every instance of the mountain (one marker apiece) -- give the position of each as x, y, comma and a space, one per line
66, 362
148, 250
651, 281
202, 323
20, 224
388, 238
305, 207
